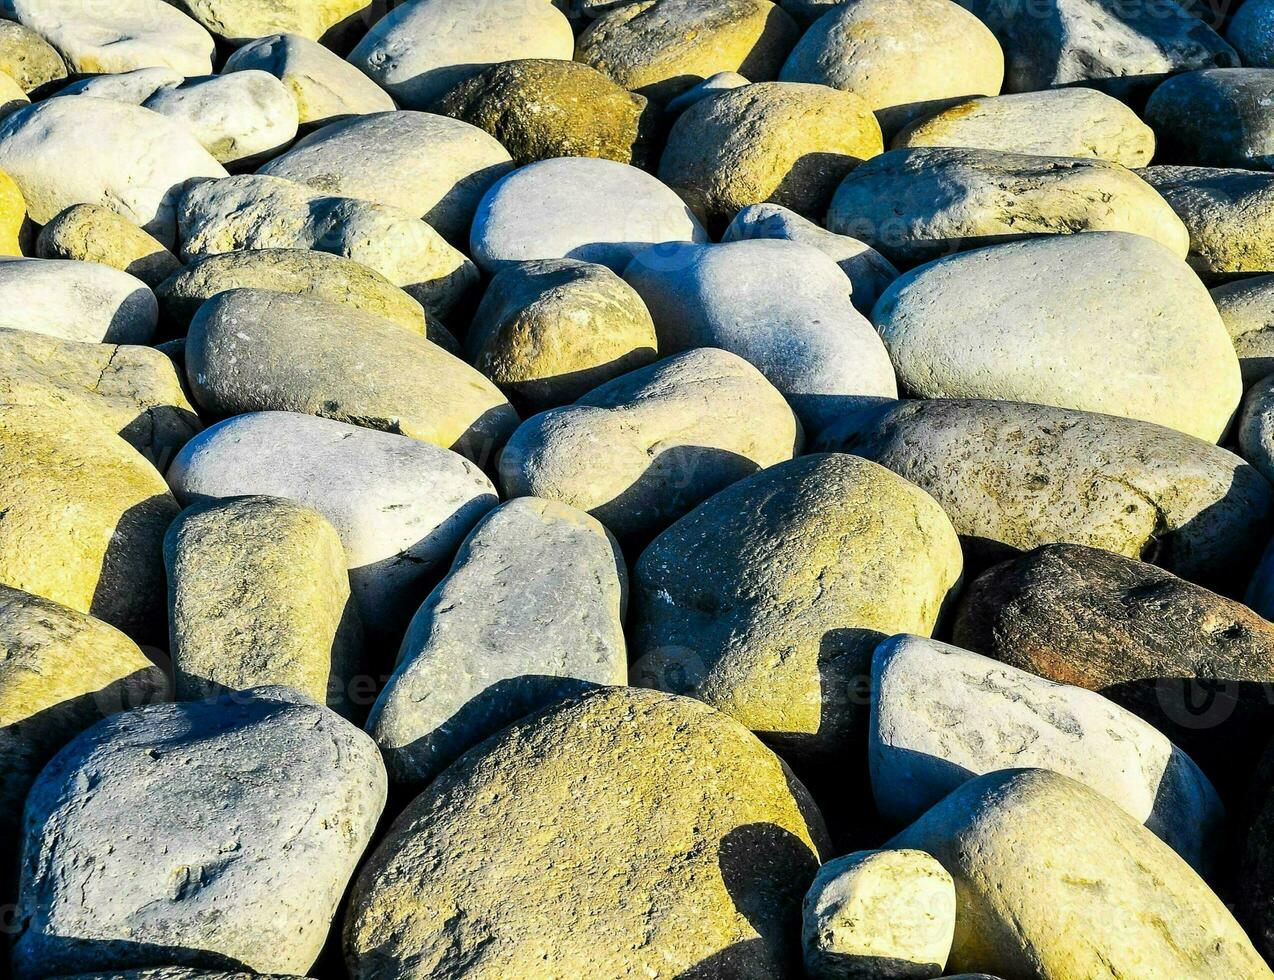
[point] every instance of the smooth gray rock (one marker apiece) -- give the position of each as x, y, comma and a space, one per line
1251, 32
130, 87
1247, 310
530, 613
578, 208
1013, 476
81, 301
401, 506
783, 306
246, 817
1256, 427
1215, 118
941, 715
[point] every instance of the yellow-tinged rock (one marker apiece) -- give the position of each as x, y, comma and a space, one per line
13, 212
92, 233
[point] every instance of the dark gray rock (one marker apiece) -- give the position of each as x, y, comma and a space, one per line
1215, 118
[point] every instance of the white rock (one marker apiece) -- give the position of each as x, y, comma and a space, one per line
421, 49
578, 208
130, 87
722, 81
82, 301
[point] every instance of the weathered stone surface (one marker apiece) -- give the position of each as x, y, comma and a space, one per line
919, 204
323, 85
1013, 476
1025, 847
127, 158
530, 613
83, 517
1229, 214
254, 350
247, 816
689, 846
941, 715
660, 48
903, 60
542, 108
130, 87
1122, 49
1251, 32
549, 331
869, 272
1256, 427
767, 599
93, 233
878, 914
242, 20
419, 50
578, 208
252, 211
134, 390
1247, 310
331, 278
28, 58
13, 214
1111, 323
1195, 665
81, 301
400, 506
783, 142
783, 306
258, 595
1063, 122
434, 167
114, 37
645, 448
1215, 118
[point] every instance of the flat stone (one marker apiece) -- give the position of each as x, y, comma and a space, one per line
716, 841
783, 142
530, 614
1013, 476
549, 331
578, 208
1247, 310
239, 21
915, 205
81, 301
247, 816
767, 599
434, 167
93, 233
28, 58
1215, 118
254, 350
1110, 322
401, 506
258, 595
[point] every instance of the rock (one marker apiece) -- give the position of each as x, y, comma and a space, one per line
61, 672
1229, 214
331, 278
82, 301
323, 85
238, 21
1260, 591
13, 215
129, 159
1013, 476
540, 108
1121, 49
1025, 847
254, 350
135, 391
176, 973
715, 838
646, 448
247, 817
258, 595
421, 49
1247, 310
130, 87
530, 614
93, 233
1190, 662
904, 61
548, 332
1256, 427
783, 306
919, 204
578, 208
1250, 33
83, 517
1063, 122
401, 507
28, 58
660, 48
878, 914
767, 599
1108, 322
1215, 118
1254, 903
783, 142
941, 715
242, 118
12, 98
254, 212
722, 81
434, 167
116, 37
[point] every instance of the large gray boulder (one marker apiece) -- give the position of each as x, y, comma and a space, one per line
1215, 118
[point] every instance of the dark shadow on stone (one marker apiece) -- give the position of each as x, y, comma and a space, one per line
133, 567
